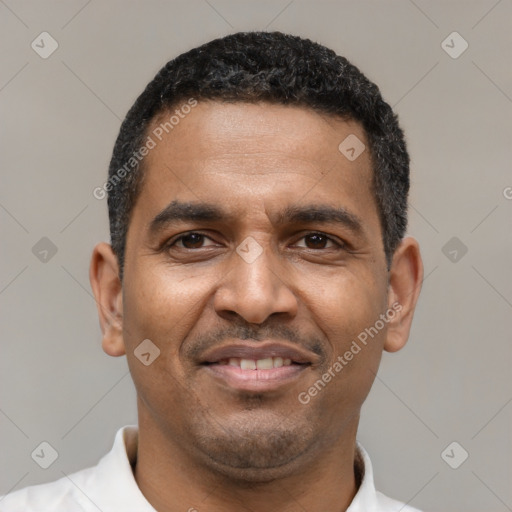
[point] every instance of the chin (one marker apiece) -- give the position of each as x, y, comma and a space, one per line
250, 474
256, 454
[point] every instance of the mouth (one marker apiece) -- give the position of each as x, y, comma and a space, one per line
257, 368
255, 364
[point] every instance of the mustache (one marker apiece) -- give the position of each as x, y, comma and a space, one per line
205, 341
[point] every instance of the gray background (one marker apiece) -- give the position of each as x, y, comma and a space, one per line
60, 117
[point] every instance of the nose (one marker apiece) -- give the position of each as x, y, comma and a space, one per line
255, 289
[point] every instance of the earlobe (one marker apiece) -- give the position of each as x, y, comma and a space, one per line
405, 280
107, 289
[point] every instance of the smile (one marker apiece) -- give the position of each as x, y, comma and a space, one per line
258, 364
256, 375
264, 366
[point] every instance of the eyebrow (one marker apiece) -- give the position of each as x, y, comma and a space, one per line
178, 211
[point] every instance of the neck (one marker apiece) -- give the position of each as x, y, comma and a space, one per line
171, 479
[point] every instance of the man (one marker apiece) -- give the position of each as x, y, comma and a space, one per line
258, 268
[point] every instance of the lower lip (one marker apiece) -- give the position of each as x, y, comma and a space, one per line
256, 380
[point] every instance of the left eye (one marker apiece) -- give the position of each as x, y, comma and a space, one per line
318, 240
191, 239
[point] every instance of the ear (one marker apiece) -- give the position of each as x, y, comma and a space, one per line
405, 280
107, 289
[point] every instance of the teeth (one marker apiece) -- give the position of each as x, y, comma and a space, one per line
265, 364
260, 364
247, 364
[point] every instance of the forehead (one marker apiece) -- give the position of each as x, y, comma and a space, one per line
215, 129
260, 156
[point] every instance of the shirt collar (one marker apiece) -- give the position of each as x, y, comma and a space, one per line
114, 487
366, 497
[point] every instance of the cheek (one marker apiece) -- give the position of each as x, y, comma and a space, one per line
164, 304
344, 303
162, 307
345, 310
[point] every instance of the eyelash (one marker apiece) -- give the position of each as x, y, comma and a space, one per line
173, 241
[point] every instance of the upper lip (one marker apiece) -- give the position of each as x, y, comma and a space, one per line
261, 350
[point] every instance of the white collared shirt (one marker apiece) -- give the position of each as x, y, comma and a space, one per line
111, 487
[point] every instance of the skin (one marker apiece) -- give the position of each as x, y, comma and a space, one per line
205, 445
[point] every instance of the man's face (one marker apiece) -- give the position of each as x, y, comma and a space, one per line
255, 277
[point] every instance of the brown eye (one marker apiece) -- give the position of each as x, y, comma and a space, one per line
190, 240
318, 241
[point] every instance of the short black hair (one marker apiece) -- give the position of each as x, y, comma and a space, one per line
265, 67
